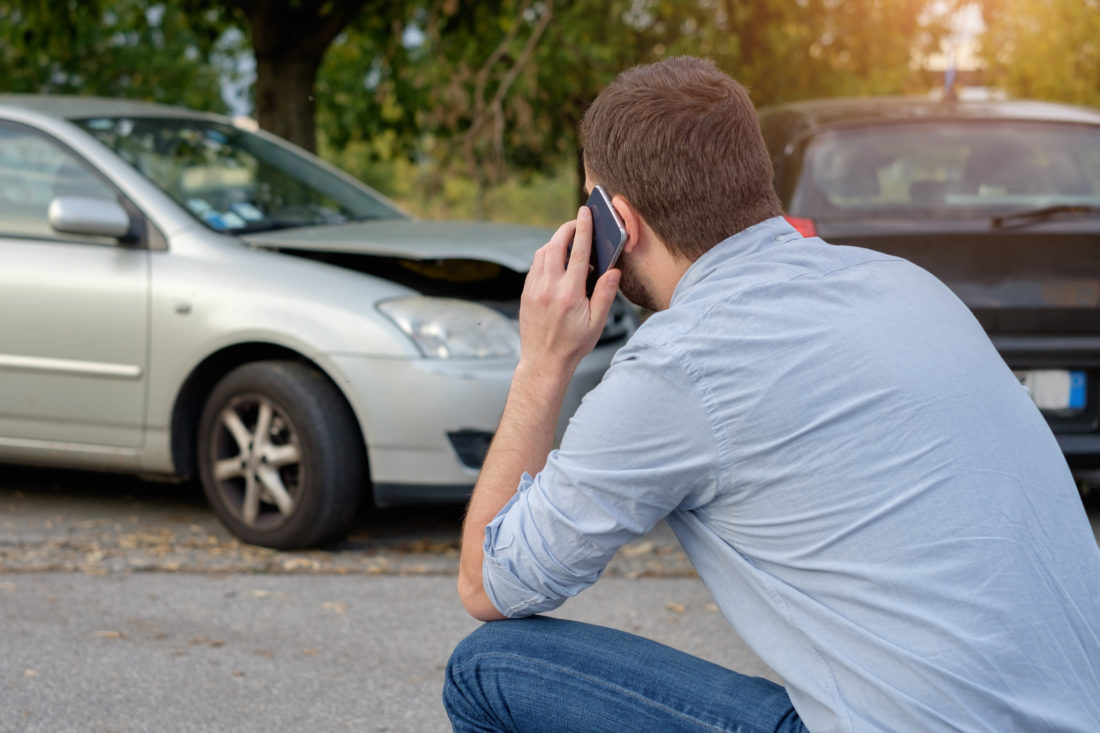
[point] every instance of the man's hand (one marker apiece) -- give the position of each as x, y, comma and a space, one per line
558, 325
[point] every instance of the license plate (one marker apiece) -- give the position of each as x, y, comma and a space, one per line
1054, 389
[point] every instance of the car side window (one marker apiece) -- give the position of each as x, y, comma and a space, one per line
35, 170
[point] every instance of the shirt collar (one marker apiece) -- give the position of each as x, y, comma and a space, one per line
757, 238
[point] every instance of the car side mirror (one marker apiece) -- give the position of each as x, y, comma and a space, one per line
87, 216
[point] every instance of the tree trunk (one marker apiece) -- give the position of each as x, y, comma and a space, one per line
284, 103
289, 39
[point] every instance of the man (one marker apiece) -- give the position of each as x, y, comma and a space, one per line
872, 499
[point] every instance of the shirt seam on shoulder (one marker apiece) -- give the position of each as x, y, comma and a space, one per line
720, 434
861, 263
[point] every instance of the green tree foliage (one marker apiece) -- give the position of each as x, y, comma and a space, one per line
517, 78
179, 51
363, 91
486, 89
1044, 49
495, 87
123, 48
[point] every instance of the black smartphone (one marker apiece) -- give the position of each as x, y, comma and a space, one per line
608, 235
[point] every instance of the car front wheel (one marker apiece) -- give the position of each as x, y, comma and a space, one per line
280, 456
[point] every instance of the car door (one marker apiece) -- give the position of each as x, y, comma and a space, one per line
73, 311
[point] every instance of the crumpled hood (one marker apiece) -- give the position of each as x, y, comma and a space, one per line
508, 245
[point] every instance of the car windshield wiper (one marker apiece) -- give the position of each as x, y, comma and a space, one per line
1044, 213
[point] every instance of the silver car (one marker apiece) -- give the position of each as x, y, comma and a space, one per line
184, 296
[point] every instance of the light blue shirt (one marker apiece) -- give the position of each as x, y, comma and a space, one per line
871, 497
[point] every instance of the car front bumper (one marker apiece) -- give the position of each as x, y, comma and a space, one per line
427, 422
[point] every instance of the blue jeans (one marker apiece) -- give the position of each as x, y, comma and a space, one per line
543, 674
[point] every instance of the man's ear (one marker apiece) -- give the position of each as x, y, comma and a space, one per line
632, 221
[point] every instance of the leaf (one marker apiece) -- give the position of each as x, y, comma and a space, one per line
637, 549
202, 640
298, 563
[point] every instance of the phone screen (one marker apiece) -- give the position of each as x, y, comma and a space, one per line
608, 235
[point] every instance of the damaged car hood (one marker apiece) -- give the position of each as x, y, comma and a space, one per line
510, 246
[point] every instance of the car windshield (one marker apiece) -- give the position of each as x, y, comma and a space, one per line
978, 168
233, 180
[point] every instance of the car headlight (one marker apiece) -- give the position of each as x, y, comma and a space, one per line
447, 328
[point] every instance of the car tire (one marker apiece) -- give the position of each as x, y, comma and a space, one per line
280, 456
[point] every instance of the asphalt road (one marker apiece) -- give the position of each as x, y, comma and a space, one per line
194, 652
126, 607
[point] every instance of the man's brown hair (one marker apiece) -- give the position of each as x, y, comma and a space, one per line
680, 140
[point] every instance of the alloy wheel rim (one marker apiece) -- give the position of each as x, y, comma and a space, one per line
257, 461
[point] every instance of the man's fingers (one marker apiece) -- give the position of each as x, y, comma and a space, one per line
537, 265
582, 245
551, 256
604, 294
559, 243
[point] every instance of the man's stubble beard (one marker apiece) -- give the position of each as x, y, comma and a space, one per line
632, 285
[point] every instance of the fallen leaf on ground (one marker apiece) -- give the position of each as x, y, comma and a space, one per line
296, 563
637, 549
427, 546
208, 642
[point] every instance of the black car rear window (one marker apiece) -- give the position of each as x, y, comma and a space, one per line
947, 168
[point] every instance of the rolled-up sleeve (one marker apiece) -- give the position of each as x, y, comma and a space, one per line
640, 446
527, 565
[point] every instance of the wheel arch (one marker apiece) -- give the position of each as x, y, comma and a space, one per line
196, 389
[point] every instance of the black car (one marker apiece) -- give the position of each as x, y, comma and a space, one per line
999, 199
